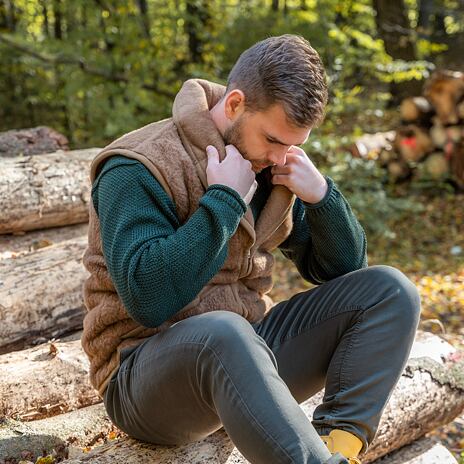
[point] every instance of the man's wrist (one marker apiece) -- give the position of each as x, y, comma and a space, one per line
318, 193
328, 198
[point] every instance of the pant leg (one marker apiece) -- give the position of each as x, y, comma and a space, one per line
209, 371
354, 335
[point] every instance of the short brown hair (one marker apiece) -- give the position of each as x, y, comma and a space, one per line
283, 69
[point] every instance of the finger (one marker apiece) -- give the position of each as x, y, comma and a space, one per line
280, 179
213, 155
232, 150
285, 169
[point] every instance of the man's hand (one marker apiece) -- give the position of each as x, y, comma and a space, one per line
300, 176
234, 171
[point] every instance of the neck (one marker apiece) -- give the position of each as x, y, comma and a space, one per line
218, 116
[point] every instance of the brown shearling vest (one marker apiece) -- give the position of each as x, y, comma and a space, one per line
174, 151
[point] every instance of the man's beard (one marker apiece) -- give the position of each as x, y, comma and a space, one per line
233, 135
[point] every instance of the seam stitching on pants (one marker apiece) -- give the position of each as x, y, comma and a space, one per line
291, 336
342, 386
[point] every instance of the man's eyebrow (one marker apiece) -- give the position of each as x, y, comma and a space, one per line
273, 139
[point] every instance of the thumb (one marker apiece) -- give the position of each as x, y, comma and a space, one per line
213, 155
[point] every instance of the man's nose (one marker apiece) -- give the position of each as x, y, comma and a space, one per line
279, 157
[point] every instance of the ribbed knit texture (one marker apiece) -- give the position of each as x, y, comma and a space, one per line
159, 266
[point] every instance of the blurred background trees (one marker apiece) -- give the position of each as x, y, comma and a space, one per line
94, 69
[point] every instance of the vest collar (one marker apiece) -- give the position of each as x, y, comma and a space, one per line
197, 130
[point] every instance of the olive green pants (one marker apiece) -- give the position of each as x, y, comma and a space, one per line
351, 335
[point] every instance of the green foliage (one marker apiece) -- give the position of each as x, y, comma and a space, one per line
95, 70
364, 184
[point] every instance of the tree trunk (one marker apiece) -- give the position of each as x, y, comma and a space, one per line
57, 16
31, 141
41, 294
44, 381
413, 142
65, 434
45, 191
144, 18
13, 246
428, 394
395, 30
423, 22
197, 25
445, 90
45, 18
422, 451
416, 109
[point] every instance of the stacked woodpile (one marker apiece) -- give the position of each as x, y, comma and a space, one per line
47, 404
429, 143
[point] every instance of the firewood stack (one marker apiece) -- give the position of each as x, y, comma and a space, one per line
47, 404
429, 144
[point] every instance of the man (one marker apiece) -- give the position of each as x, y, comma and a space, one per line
181, 333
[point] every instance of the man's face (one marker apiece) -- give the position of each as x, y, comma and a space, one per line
264, 137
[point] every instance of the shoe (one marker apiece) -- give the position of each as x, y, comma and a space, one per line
345, 443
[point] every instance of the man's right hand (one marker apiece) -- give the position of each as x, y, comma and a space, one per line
234, 171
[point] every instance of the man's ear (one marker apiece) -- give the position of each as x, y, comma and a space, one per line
234, 104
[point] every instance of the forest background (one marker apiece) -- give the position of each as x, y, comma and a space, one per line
95, 69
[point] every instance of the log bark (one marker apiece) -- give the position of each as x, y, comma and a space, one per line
41, 294
438, 135
32, 141
413, 142
416, 109
62, 435
20, 244
428, 394
51, 190
445, 90
423, 451
457, 164
46, 380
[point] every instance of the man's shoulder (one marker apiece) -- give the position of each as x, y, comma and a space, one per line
154, 132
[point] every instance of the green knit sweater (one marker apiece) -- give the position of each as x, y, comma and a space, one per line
158, 266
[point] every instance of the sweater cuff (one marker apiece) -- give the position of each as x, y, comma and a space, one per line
231, 196
329, 197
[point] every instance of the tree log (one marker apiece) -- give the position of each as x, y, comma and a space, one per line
412, 142
428, 394
457, 164
438, 135
460, 110
416, 109
423, 451
19, 244
51, 190
55, 435
32, 141
49, 379
445, 90
41, 294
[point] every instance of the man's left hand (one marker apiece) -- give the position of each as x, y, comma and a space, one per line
300, 176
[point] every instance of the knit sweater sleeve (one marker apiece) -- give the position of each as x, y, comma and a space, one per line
327, 240
157, 265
